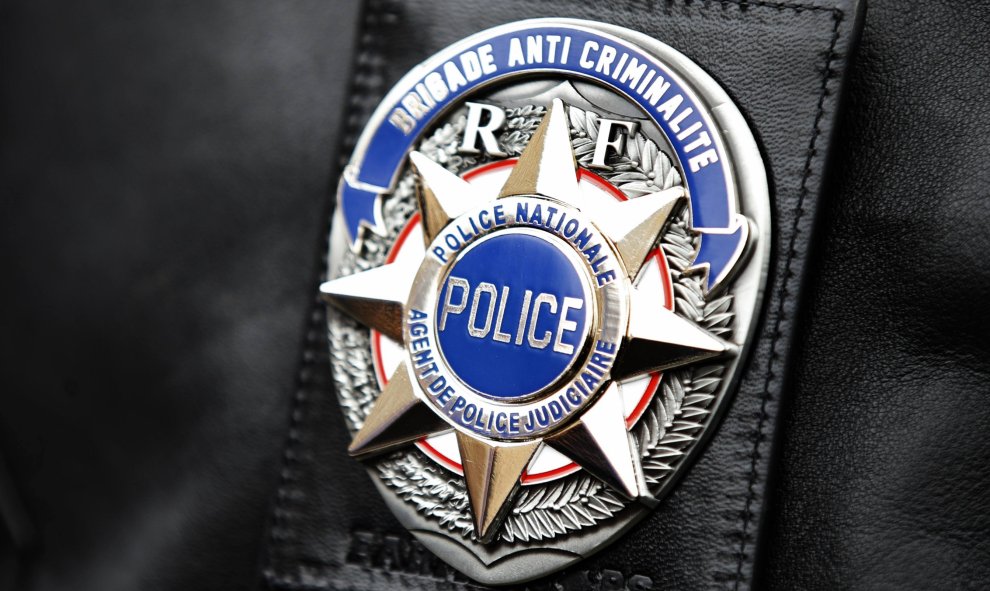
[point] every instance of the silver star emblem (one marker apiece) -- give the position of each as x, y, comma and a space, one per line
596, 438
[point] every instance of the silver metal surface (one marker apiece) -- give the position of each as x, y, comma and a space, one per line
490, 525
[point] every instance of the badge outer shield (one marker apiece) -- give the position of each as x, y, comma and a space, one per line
549, 250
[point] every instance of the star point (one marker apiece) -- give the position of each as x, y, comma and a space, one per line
547, 166
635, 226
441, 195
397, 418
660, 339
374, 298
599, 442
492, 472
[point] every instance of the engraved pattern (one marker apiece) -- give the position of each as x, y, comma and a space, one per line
671, 423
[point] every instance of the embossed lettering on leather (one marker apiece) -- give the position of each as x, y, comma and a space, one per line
783, 64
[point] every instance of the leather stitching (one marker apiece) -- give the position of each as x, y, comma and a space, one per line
651, 5
365, 89
366, 86
783, 297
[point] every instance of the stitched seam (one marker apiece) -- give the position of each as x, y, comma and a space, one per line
742, 4
362, 90
784, 296
336, 582
777, 5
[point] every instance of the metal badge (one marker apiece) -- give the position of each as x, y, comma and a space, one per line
549, 247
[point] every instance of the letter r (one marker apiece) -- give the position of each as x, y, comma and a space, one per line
474, 129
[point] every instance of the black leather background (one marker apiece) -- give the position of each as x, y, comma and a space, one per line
783, 64
165, 168
164, 173
884, 480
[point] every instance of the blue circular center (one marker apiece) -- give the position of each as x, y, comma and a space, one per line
511, 316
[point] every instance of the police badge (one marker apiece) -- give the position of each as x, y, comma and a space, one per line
548, 251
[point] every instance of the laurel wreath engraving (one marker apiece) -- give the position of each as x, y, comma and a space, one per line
674, 418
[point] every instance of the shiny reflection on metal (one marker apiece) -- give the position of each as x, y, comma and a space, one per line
492, 472
660, 340
374, 298
547, 166
442, 196
636, 225
599, 442
397, 419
